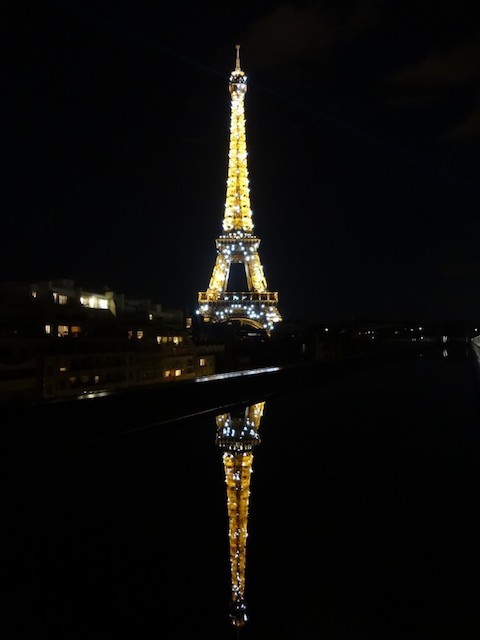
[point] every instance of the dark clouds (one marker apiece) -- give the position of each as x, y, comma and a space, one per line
293, 32
423, 55
438, 78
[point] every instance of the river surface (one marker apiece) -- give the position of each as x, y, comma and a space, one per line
363, 520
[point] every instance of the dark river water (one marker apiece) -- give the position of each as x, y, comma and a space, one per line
363, 520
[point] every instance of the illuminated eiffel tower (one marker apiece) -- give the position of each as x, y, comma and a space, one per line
237, 434
256, 306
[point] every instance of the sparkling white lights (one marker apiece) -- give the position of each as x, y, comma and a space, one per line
238, 244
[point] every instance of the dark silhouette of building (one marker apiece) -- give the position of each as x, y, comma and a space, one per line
58, 339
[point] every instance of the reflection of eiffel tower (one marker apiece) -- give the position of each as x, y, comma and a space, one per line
237, 434
254, 306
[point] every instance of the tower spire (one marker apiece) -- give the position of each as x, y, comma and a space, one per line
254, 305
237, 64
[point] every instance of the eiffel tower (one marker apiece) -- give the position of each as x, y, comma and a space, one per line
237, 435
256, 306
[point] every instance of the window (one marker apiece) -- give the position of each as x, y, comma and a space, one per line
59, 298
94, 302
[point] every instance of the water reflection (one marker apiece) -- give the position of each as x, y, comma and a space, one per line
237, 435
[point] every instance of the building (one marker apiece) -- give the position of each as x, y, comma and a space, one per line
58, 339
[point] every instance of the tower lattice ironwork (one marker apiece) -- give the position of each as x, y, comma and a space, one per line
237, 435
256, 306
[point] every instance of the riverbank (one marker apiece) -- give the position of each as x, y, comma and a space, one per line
50, 426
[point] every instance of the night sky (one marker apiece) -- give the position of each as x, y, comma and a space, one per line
363, 132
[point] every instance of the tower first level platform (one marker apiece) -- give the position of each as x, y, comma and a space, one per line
256, 306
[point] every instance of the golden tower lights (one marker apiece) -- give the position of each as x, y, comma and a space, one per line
237, 434
257, 306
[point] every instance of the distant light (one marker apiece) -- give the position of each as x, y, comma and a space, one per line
88, 395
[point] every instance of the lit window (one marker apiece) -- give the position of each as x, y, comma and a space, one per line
59, 298
75, 330
34, 294
178, 372
139, 335
94, 302
202, 362
48, 329
62, 330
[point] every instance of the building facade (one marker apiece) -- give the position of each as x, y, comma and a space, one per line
58, 339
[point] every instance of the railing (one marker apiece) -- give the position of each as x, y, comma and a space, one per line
239, 296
